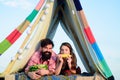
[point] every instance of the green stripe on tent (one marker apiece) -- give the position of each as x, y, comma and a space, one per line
32, 15
106, 69
4, 45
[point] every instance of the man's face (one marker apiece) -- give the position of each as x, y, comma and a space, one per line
46, 52
47, 48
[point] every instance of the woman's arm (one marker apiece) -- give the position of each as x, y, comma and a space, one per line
73, 70
59, 65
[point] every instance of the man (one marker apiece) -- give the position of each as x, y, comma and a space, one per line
44, 55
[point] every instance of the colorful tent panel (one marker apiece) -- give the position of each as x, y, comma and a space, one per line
5, 45
20, 29
71, 16
32, 15
38, 30
89, 35
13, 36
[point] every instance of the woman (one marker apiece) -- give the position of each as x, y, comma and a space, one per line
66, 65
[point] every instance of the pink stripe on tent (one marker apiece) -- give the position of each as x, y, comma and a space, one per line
89, 35
10, 36
13, 36
39, 5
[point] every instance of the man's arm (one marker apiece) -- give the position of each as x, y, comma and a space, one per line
33, 61
43, 72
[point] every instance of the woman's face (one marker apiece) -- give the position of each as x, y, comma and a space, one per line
65, 50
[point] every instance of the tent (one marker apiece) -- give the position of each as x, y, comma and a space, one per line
47, 15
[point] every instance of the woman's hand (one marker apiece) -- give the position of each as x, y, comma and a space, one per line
60, 58
59, 64
69, 60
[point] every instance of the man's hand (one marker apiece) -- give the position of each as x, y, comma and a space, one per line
42, 72
33, 75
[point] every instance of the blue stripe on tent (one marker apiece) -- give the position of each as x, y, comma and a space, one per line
97, 51
77, 5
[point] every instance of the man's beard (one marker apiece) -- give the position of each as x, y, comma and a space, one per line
46, 55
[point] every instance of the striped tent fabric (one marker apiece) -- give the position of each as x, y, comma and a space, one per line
70, 14
15, 34
103, 67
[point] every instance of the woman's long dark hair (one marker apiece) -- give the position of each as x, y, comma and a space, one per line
74, 60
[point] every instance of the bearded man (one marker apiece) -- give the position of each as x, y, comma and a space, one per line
45, 56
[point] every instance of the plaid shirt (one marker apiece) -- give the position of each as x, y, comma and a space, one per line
36, 59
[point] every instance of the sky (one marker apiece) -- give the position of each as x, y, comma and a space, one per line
103, 17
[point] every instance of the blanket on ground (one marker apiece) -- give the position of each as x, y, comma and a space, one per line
23, 76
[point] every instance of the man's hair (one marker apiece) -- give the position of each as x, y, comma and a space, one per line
45, 42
